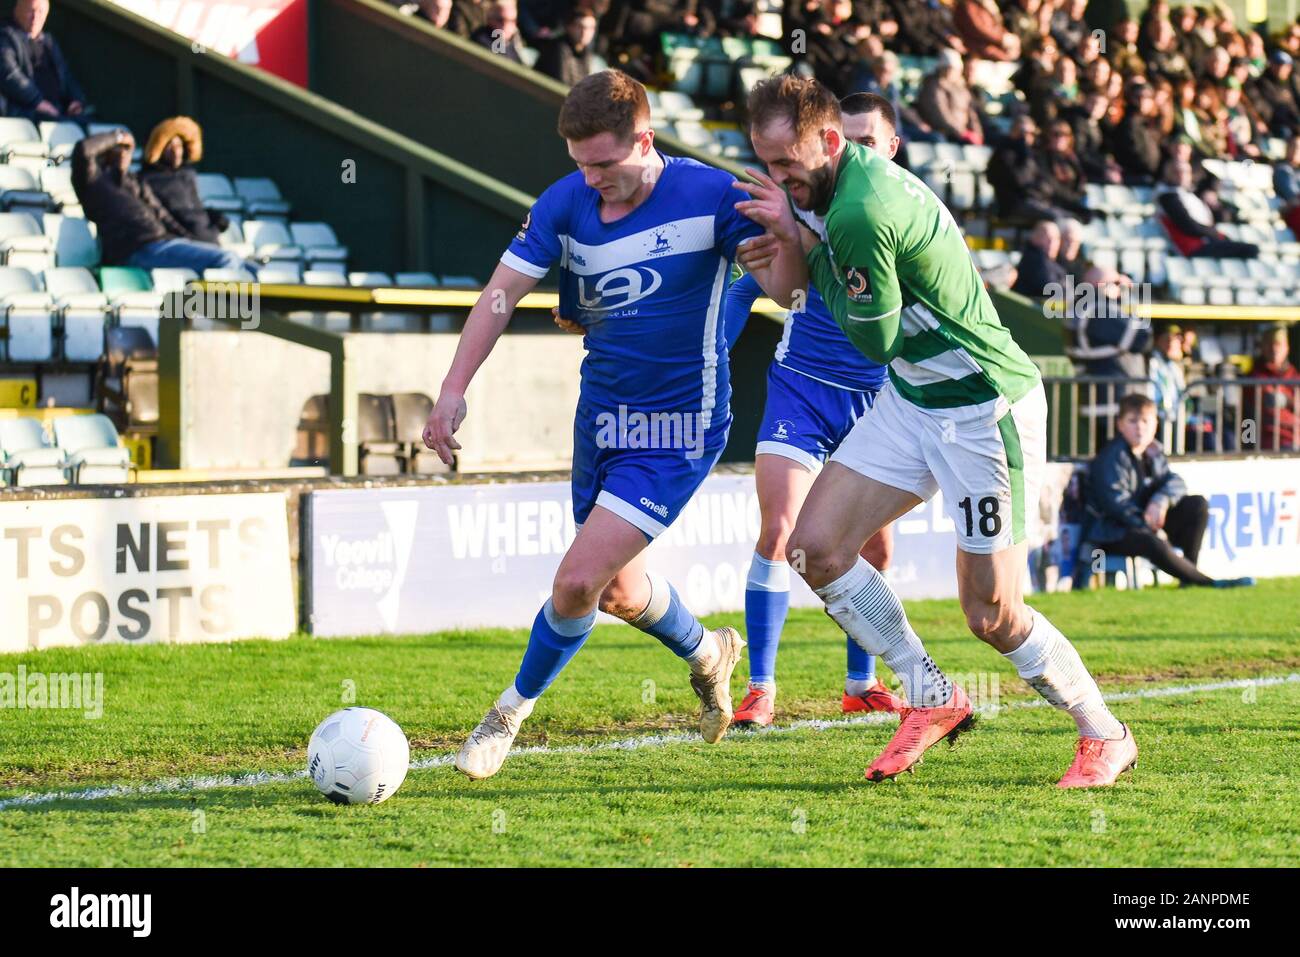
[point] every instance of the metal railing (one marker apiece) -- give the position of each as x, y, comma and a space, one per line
1217, 416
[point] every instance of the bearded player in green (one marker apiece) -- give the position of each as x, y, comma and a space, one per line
963, 413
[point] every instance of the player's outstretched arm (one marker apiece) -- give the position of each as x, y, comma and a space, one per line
487, 320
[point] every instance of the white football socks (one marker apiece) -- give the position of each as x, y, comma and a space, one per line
511, 700
1053, 668
864, 605
857, 686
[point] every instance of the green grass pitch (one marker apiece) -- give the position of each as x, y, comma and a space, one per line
1215, 784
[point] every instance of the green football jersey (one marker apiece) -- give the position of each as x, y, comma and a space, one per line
901, 283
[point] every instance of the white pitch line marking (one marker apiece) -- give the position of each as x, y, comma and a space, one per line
224, 781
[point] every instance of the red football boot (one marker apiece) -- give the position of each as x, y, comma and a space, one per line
876, 698
919, 730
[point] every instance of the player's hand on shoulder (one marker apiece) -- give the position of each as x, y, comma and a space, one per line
568, 325
758, 252
447, 415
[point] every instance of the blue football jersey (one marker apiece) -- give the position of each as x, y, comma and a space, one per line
648, 288
812, 344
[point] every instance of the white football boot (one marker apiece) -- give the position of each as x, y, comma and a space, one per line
713, 686
483, 754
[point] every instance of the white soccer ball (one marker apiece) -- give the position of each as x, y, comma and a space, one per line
358, 756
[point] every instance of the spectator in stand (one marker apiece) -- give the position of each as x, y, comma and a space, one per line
944, 102
983, 32
500, 32
436, 13
924, 28
1065, 177
1137, 506
174, 147
135, 228
571, 56
1286, 184
1137, 140
1160, 49
1071, 257
1165, 369
885, 74
1091, 136
1240, 121
1191, 222
1039, 275
1274, 408
1022, 19
1019, 179
542, 20
1275, 99
1211, 120
35, 82
467, 16
1068, 27
1123, 48
1108, 341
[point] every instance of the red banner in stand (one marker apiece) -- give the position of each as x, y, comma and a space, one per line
269, 34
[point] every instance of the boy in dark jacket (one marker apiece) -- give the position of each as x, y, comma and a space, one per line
1131, 496
174, 146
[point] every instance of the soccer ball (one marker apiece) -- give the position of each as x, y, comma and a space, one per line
358, 756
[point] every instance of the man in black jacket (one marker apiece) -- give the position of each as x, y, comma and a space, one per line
135, 229
1132, 496
1018, 177
570, 56
1038, 274
34, 77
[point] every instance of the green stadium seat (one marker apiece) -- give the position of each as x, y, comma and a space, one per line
115, 280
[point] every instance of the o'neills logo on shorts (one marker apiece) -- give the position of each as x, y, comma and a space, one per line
660, 510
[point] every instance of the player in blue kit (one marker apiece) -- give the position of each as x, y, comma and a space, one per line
818, 385
644, 244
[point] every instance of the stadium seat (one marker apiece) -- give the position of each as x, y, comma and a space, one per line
318, 243
217, 193
410, 413
261, 197
126, 380
228, 275
23, 243
323, 277
60, 139
460, 282
733, 143
270, 240
697, 136
75, 244
20, 138
283, 272
94, 456
82, 309
369, 279
132, 300
26, 455
57, 182
20, 192
29, 316
167, 279
415, 280
677, 106
232, 238
378, 449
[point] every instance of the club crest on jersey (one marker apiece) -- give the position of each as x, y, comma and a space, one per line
856, 285
662, 240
